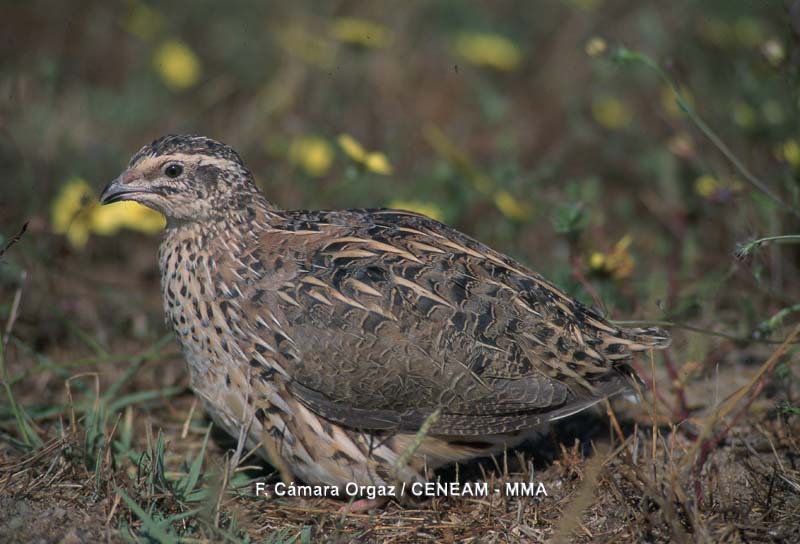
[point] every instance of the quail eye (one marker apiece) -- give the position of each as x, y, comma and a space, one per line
173, 170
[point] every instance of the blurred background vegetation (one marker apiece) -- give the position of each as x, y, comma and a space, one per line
511, 122
522, 124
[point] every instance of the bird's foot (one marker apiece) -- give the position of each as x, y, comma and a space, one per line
363, 505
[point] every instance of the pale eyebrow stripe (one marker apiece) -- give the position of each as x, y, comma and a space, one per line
154, 163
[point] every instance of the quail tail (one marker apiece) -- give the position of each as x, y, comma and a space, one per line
643, 339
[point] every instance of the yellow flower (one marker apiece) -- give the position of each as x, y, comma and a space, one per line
71, 211
789, 151
77, 213
611, 113
143, 21
487, 49
373, 161
352, 147
706, 185
107, 220
145, 220
425, 208
177, 65
360, 32
596, 47
511, 207
743, 114
618, 263
312, 153
669, 100
378, 163
597, 261
104, 220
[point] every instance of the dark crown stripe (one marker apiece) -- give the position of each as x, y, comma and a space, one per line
189, 144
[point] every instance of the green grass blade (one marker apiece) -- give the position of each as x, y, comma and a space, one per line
154, 529
142, 396
194, 471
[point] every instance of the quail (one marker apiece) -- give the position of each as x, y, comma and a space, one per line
330, 338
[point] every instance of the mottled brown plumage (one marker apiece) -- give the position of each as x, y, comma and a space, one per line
331, 336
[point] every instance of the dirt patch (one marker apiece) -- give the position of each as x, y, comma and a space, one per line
50, 519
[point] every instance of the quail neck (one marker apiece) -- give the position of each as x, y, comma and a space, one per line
330, 338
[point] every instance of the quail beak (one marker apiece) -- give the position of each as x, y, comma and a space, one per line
122, 188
